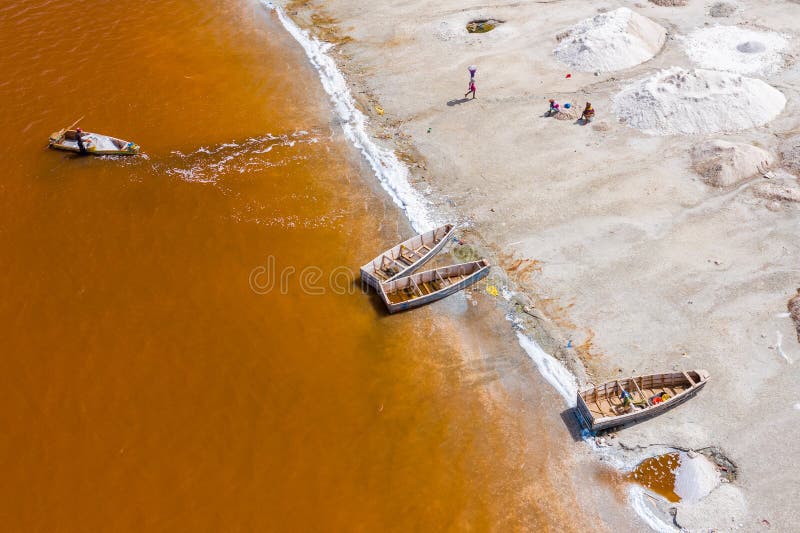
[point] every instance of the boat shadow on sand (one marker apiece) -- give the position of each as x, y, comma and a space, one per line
579, 431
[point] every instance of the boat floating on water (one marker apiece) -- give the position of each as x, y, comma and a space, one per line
626, 400
422, 288
96, 143
406, 257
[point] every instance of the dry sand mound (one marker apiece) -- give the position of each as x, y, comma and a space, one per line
723, 163
677, 101
670, 3
614, 40
790, 153
737, 49
794, 311
722, 9
778, 192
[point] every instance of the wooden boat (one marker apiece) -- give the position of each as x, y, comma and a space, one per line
428, 286
625, 400
406, 257
96, 143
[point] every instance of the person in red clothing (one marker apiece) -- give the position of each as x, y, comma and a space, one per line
471, 88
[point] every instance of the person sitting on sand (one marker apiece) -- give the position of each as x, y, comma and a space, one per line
554, 108
79, 138
471, 88
588, 113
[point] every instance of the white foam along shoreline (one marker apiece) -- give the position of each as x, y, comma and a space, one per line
392, 174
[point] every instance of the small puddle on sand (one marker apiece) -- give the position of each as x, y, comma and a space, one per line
658, 475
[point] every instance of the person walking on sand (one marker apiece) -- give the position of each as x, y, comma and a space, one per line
472, 88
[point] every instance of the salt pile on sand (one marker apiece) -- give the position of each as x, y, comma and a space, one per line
695, 477
610, 41
737, 49
723, 163
677, 101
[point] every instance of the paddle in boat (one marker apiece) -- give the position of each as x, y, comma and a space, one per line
625, 400
422, 288
406, 257
96, 143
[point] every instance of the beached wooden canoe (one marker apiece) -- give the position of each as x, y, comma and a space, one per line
625, 400
428, 286
96, 143
406, 257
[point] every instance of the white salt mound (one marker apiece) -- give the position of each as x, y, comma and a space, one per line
695, 477
737, 49
723, 163
678, 101
614, 40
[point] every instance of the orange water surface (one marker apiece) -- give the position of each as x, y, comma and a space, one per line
144, 384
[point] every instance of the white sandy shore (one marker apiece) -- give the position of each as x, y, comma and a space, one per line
623, 249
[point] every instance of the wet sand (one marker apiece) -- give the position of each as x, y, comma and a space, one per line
623, 253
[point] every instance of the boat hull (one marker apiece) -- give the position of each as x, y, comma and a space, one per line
612, 389
436, 238
474, 271
96, 144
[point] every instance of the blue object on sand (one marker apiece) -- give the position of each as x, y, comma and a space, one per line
567, 105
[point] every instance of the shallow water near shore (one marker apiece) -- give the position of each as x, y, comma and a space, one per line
165, 363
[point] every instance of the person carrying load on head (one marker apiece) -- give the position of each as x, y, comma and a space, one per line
554, 108
588, 113
79, 138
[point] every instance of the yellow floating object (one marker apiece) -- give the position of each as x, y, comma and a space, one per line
491, 289
379, 110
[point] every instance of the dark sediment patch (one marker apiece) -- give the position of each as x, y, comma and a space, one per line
794, 311
483, 25
790, 154
722, 9
751, 47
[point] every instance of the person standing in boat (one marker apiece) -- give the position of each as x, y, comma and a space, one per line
79, 138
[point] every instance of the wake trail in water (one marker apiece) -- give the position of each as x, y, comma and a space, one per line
208, 164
